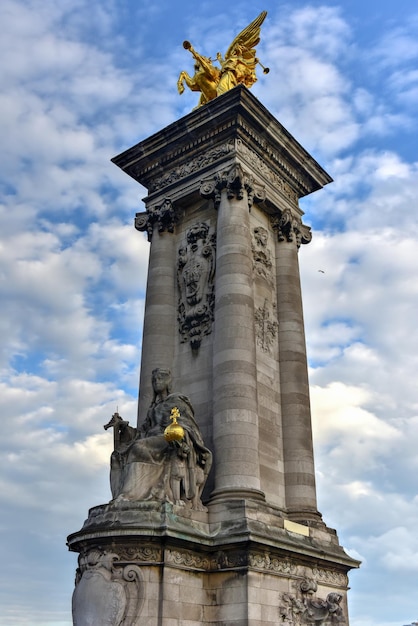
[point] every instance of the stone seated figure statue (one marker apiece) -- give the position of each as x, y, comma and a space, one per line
145, 466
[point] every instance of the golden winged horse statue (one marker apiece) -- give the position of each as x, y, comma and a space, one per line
237, 67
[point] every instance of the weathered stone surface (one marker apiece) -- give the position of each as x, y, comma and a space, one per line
224, 313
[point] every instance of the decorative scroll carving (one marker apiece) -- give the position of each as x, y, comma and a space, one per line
289, 227
194, 165
143, 554
106, 593
266, 328
186, 558
261, 254
236, 181
305, 608
164, 215
196, 276
151, 468
330, 577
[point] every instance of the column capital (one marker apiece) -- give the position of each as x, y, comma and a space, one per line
289, 227
163, 215
235, 180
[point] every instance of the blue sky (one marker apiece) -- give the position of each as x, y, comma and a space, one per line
83, 81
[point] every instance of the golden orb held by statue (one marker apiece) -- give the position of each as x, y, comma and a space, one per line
174, 431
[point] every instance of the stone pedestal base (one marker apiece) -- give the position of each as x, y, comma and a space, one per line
240, 563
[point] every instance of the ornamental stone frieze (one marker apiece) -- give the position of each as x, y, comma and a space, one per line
196, 282
163, 215
220, 560
193, 165
289, 227
272, 564
236, 181
141, 554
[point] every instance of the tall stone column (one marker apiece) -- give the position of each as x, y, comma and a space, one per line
160, 306
300, 491
235, 419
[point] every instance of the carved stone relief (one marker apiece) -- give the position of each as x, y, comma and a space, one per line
164, 215
194, 165
272, 564
266, 326
196, 282
261, 254
140, 554
106, 593
220, 560
290, 228
236, 181
304, 607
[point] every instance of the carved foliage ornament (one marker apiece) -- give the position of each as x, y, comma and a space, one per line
196, 282
236, 181
266, 327
106, 593
306, 608
289, 228
163, 215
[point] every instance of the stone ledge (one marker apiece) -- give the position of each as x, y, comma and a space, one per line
224, 527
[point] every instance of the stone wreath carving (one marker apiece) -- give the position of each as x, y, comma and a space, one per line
306, 608
106, 593
196, 282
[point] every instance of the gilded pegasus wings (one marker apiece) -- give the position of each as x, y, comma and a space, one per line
247, 39
241, 56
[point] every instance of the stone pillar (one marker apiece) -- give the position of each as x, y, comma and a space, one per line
296, 414
160, 306
235, 420
251, 557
